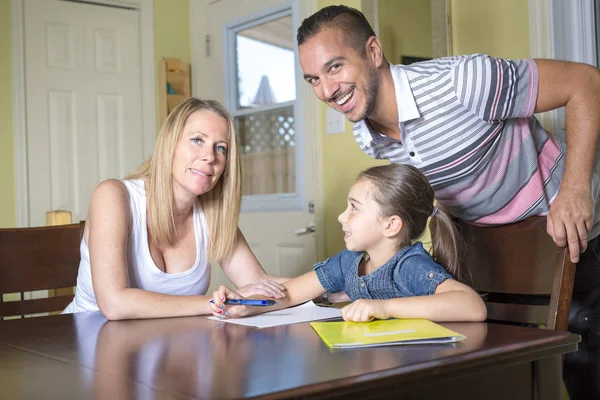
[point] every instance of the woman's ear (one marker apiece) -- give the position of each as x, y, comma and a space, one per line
393, 226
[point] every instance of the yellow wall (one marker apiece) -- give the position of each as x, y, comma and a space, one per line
171, 34
480, 26
171, 39
405, 28
342, 161
342, 158
7, 164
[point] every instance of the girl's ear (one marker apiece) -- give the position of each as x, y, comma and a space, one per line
393, 226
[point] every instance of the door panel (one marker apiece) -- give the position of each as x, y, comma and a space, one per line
83, 102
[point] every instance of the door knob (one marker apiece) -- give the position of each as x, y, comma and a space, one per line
303, 231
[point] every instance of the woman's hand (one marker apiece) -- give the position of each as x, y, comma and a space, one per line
220, 310
263, 287
365, 310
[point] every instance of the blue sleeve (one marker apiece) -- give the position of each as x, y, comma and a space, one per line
331, 271
419, 275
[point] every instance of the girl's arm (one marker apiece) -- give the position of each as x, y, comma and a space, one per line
107, 230
243, 269
298, 290
452, 301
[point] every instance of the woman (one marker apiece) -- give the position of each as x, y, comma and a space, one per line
148, 239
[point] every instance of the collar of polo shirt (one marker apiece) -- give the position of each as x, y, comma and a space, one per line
407, 107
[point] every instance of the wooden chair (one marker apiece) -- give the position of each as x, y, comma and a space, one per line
522, 274
38, 259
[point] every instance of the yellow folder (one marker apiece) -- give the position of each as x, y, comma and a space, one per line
339, 335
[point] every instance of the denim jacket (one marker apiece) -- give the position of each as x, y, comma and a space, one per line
410, 272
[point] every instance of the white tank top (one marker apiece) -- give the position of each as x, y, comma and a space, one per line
143, 272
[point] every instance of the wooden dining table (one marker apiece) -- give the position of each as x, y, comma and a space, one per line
85, 356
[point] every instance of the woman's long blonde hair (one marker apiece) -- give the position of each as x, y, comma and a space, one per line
221, 205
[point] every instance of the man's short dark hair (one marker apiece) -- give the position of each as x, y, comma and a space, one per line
352, 22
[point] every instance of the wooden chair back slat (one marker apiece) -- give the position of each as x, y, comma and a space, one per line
521, 313
39, 258
34, 306
517, 264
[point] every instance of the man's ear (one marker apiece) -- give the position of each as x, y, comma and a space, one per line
374, 51
393, 226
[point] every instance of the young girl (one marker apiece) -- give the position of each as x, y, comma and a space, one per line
384, 271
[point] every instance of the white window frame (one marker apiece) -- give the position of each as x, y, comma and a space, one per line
276, 201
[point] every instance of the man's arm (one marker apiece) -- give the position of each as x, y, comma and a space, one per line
577, 87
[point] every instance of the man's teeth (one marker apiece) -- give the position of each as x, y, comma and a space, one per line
347, 233
344, 99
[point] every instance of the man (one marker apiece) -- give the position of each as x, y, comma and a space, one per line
467, 122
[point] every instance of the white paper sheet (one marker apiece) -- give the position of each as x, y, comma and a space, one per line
308, 311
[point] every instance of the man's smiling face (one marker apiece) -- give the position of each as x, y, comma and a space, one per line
340, 76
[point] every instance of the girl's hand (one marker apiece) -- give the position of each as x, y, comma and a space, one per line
365, 310
263, 287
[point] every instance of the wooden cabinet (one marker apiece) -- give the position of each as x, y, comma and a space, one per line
174, 85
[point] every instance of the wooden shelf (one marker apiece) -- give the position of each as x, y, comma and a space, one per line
173, 76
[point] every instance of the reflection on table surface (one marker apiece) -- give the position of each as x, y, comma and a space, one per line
197, 357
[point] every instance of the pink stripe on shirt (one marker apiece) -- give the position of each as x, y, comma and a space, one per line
529, 194
494, 173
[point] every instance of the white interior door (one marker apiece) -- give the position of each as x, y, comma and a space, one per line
83, 102
277, 137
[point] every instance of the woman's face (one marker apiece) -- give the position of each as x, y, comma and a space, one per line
201, 153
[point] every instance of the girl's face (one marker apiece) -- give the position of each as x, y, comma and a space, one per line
361, 222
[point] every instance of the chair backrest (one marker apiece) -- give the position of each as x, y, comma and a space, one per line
523, 275
38, 259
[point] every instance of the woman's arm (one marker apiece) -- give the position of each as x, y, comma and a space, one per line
107, 230
452, 301
243, 269
298, 290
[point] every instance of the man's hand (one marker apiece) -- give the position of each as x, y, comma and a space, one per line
570, 219
365, 310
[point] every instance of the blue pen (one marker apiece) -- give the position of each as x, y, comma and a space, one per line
248, 302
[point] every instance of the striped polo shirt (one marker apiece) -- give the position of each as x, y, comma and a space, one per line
467, 123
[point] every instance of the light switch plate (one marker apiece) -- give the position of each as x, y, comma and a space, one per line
335, 121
